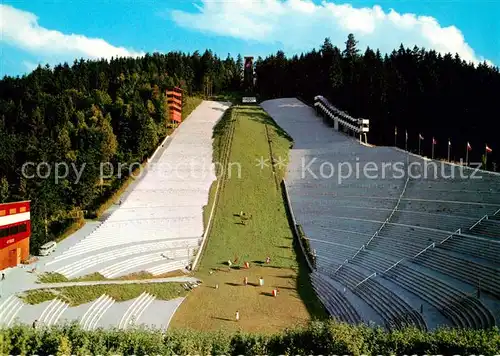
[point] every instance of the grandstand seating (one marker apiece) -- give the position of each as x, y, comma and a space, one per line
487, 227
336, 304
373, 261
487, 277
463, 310
465, 244
394, 311
427, 229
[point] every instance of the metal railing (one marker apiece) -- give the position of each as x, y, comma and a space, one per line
459, 231
394, 265
341, 121
360, 126
364, 280
359, 250
383, 224
392, 212
478, 222
425, 249
371, 238
339, 267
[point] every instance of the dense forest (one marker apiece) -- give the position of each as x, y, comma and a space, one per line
91, 112
115, 111
417, 90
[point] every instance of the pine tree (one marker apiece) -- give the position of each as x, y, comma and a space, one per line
350, 47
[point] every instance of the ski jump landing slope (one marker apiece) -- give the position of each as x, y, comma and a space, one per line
159, 225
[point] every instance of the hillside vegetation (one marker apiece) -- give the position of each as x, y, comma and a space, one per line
317, 339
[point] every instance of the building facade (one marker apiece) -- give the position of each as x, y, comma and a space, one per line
15, 231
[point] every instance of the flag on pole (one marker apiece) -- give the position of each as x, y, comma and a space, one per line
488, 150
406, 134
434, 142
395, 130
420, 137
469, 147
449, 143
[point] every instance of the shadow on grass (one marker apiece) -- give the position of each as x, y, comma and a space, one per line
266, 294
234, 284
271, 266
223, 319
258, 262
287, 277
287, 247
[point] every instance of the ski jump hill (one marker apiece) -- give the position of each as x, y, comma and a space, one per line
157, 228
399, 239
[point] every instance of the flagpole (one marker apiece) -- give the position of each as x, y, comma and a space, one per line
449, 146
419, 144
406, 141
467, 155
432, 154
395, 136
486, 158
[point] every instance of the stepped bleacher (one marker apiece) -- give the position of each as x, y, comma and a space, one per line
396, 314
432, 232
462, 309
159, 225
482, 248
336, 304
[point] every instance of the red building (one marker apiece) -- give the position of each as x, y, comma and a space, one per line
15, 230
174, 101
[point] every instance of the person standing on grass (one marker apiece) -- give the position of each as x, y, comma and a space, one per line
268, 259
237, 315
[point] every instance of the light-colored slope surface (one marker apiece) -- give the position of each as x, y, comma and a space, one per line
162, 215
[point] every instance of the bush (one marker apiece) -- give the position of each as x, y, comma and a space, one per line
319, 338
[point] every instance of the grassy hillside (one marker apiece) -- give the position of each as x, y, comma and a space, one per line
249, 136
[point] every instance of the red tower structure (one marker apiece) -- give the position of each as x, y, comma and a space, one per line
174, 100
15, 231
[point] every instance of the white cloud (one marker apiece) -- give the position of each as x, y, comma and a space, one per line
30, 66
21, 29
301, 24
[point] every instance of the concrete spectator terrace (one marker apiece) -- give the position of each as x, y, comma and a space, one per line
397, 249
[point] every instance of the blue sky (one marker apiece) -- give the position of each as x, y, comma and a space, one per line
53, 31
